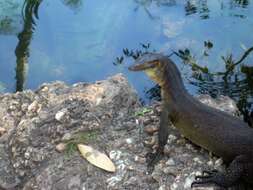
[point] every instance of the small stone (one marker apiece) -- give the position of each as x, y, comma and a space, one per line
197, 159
27, 155
162, 187
2, 131
66, 137
139, 159
115, 154
131, 168
44, 89
12, 107
188, 182
169, 170
21, 173
129, 141
170, 162
181, 141
60, 147
60, 114
150, 130
218, 162
196, 173
33, 107
171, 138
131, 181
174, 186
151, 142
210, 163
24, 107
189, 146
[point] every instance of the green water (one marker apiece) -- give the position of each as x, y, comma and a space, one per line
83, 40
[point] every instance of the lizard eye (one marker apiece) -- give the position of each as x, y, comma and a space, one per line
154, 64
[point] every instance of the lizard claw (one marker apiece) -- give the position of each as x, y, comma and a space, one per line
206, 172
208, 177
153, 158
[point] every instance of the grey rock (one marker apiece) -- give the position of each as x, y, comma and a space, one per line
102, 114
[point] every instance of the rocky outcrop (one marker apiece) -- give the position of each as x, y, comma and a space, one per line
40, 131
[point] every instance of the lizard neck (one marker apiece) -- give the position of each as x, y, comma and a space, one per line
173, 89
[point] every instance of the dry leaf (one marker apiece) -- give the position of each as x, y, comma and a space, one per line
96, 158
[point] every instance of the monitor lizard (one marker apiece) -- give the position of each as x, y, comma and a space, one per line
222, 134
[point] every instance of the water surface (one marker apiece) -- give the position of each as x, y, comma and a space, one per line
77, 40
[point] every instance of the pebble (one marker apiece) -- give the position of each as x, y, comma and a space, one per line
131, 181
2, 131
129, 141
174, 186
162, 187
170, 162
24, 107
34, 107
60, 114
44, 89
197, 160
170, 170
151, 141
189, 146
60, 147
218, 162
150, 130
181, 141
188, 181
210, 163
67, 137
171, 138
27, 155
140, 160
115, 154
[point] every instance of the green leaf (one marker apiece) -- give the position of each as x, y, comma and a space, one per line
142, 112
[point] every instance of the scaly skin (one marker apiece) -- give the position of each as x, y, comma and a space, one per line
224, 135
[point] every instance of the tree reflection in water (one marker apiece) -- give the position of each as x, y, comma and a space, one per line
191, 7
73, 4
236, 81
30, 14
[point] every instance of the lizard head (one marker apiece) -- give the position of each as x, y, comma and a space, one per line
152, 64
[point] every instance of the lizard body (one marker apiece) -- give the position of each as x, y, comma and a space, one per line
224, 135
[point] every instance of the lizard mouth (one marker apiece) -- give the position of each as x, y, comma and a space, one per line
146, 62
142, 66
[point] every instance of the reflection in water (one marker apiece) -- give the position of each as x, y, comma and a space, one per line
73, 4
30, 13
234, 82
145, 4
201, 7
238, 85
148, 3
241, 3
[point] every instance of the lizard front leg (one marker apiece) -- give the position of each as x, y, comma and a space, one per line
153, 158
225, 179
